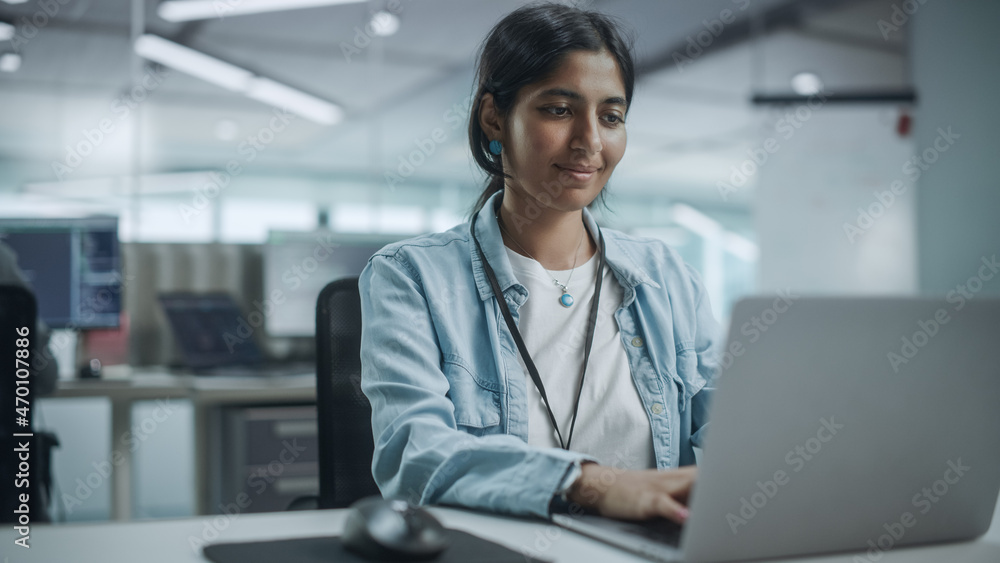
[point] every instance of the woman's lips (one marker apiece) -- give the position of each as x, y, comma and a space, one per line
579, 174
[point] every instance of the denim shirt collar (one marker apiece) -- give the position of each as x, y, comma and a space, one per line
626, 270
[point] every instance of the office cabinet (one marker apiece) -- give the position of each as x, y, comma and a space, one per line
269, 457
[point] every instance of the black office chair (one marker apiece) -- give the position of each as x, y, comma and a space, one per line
18, 312
344, 414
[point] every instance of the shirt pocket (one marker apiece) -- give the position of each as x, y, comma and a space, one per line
477, 408
687, 377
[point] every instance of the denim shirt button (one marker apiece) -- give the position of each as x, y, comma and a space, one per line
637, 342
657, 408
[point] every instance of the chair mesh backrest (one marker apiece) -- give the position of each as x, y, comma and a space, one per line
343, 411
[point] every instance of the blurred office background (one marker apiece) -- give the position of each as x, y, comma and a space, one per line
816, 146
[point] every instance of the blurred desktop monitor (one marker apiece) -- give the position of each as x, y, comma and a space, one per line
298, 265
72, 265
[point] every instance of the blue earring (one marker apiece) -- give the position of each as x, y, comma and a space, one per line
496, 147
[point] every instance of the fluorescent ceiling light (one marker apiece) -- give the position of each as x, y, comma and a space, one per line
122, 186
15, 1
6, 31
195, 63
710, 229
187, 10
308, 106
385, 23
10, 62
226, 129
695, 221
806, 84
237, 79
741, 247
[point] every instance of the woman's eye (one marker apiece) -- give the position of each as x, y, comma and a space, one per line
560, 111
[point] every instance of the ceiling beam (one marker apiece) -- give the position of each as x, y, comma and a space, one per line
787, 15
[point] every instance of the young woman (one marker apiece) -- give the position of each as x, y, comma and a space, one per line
529, 359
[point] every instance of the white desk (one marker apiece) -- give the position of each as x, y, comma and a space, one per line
204, 393
167, 541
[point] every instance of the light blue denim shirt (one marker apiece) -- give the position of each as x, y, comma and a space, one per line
449, 397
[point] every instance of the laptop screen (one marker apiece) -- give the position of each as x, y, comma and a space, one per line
210, 330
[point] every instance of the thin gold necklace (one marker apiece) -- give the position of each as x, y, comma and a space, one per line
566, 300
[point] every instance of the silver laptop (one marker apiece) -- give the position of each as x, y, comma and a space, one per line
840, 424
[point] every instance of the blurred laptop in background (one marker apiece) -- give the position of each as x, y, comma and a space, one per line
215, 337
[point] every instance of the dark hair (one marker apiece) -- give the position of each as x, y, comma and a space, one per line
527, 46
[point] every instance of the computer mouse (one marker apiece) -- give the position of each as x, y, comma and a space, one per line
392, 530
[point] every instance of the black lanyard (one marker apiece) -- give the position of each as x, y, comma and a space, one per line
523, 350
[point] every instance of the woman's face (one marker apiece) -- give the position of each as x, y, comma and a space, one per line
565, 135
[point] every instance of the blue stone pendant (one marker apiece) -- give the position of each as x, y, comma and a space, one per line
566, 300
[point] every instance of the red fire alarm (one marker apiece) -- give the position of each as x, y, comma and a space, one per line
904, 123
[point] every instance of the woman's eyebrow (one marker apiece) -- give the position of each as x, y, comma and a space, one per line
564, 93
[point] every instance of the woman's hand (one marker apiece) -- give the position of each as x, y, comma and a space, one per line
634, 495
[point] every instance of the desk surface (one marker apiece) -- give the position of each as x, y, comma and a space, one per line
171, 540
160, 384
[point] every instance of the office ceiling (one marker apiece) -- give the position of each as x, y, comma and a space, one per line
687, 127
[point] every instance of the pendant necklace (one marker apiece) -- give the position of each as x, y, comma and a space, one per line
566, 300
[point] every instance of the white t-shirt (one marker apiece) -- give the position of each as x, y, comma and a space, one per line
612, 425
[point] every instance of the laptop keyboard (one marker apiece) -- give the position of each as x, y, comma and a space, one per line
656, 539
659, 530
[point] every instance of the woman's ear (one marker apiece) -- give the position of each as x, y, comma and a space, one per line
489, 118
